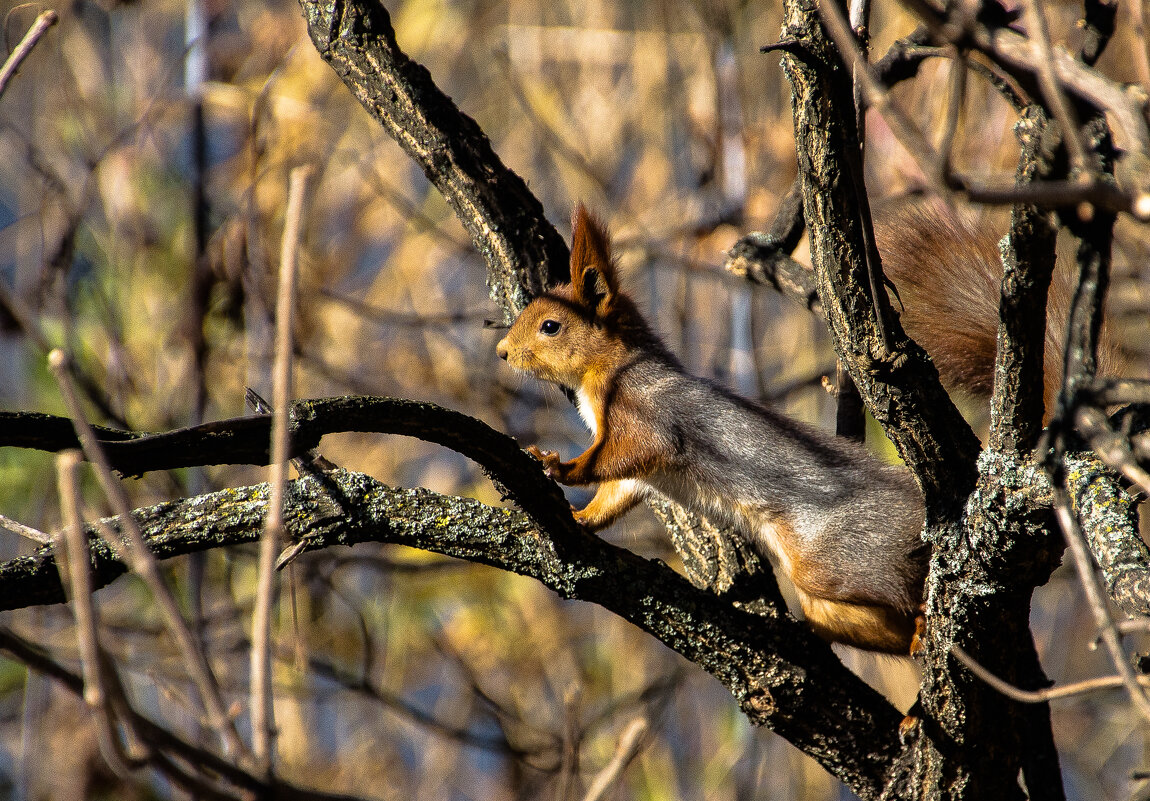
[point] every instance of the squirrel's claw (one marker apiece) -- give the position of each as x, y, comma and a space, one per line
550, 460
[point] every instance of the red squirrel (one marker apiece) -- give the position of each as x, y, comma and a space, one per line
844, 526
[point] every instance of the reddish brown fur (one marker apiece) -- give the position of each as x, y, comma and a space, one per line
948, 275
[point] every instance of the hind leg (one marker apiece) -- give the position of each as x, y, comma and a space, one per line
873, 628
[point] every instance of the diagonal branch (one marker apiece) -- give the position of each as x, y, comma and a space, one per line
523, 251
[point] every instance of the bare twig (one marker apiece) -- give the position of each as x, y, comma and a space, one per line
878, 98
309, 462
1052, 194
1047, 694
1048, 83
1141, 43
955, 98
263, 723
1111, 447
1085, 188
1018, 53
34, 534
1107, 628
135, 553
44, 21
74, 562
1099, 18
629, 742
765, 258
1113, 391
523, 252
1139, 625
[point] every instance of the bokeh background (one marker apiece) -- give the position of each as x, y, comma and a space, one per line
144, 154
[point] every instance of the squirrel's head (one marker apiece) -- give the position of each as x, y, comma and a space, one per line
578, 327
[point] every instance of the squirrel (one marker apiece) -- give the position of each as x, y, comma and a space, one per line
841, 524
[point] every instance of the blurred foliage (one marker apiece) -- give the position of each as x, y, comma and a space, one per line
403, 675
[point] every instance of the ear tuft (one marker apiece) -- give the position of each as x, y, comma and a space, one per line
592, 269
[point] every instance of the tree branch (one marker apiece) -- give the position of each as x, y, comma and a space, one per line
1017, 402
781, 674
524, 253
1109, 518
245, 440
894, 375
1020, 56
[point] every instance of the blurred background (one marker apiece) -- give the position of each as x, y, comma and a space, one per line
144, 153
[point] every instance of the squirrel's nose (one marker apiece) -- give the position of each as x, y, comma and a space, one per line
501, 349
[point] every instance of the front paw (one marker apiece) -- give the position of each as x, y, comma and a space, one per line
550, 461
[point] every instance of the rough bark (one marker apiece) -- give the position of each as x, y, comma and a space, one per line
990, 529
781, 675
523, 251
989, 521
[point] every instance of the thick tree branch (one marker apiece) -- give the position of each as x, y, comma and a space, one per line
245, 440
524, 254
987, 557
765, 258
523, 251
780, 673
1017, 408
1109, 518
1017, 403
894, 375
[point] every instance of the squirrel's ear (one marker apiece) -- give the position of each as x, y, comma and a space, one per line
593, 275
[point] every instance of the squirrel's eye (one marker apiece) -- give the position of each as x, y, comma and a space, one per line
550, 327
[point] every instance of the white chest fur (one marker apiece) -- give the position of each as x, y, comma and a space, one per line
586, 411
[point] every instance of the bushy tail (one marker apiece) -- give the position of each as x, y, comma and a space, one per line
948, 274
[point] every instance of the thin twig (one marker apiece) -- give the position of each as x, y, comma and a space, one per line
956, 96
1047, 694
1111, 447
1056, 193
629, 742
1052, 91
1015, 52
1140, 625
1113, 391
16, 527
1086, 188
1141, 43
878, 98
1099, 19
263, 723
44, 21
137, 555
1107, 629
73, 559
